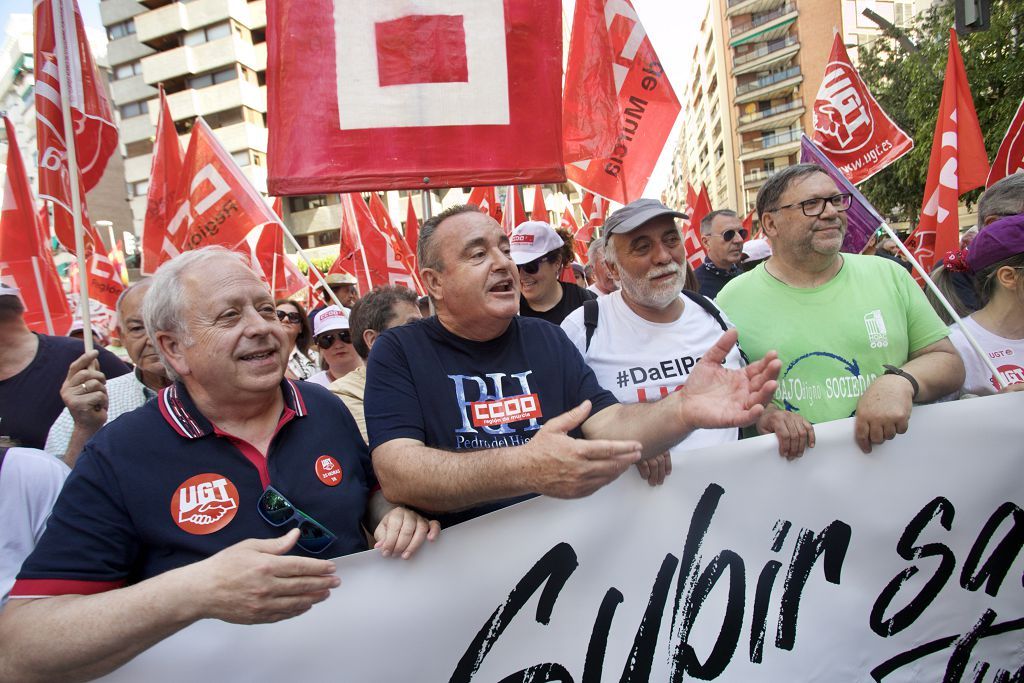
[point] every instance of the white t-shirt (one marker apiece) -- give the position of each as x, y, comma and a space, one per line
30, 481
1006, 354
321, 378
638, 360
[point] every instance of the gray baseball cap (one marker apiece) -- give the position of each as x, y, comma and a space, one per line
636, 213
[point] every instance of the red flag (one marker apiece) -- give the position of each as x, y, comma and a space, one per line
375, 264
266, 248
580, 237
748, 225
117, 260
25, 258
402, 94
398, 250
216, 203
594, 208
699, 206
164, 173
958, 163
1010, 157
412, 229
647, 104
487, 199
513, 214
849, 126
591, 120
540, 210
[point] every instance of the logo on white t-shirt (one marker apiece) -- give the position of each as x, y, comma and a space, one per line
877, 336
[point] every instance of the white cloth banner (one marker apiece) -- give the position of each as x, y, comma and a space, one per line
901, 565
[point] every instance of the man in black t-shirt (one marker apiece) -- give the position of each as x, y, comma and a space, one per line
515, 392
32, 369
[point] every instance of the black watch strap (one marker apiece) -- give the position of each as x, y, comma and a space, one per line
893, 370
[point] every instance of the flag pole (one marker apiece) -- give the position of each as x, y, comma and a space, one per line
945, 304
273, 276
309, 264
42, 295
425, 204
69, 142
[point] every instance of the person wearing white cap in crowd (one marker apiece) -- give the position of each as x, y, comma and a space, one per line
604, 283
755, 251
32, 369
541, 255
332, 337
344, 286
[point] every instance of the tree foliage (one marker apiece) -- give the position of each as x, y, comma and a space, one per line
908, 86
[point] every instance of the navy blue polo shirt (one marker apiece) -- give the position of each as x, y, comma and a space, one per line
161, 487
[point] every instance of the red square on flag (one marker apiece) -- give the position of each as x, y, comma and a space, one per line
421, 49
393, 94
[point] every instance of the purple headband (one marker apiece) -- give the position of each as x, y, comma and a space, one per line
997, 242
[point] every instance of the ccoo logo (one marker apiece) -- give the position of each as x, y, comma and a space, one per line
204, 503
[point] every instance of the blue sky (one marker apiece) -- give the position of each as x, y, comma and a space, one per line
90, 10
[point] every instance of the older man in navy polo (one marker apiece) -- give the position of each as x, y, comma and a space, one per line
215, 500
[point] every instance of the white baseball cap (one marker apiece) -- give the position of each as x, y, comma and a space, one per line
755, 250
329, 319
533, 239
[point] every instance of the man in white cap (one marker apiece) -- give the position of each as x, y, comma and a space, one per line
32, 369
541, 254
332, 336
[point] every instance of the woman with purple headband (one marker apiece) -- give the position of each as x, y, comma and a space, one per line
996, 258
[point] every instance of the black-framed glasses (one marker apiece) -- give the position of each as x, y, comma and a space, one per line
728, 235
326, 341
277, 510
292, 317
815, 207
533, 266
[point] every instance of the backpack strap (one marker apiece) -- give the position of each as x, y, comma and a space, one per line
591, 312
714, 311
3, 453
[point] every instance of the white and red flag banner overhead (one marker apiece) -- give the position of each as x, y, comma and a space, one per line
1010, 156
398, 250
25, 258
647, 104
375, 263
164, 173
849, 126
396, 94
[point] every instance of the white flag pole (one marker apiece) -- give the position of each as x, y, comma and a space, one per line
945, 304
63, 9
42, 295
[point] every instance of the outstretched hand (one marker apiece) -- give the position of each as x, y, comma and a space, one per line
716, 397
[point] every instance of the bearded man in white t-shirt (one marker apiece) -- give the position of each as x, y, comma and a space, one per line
648, 336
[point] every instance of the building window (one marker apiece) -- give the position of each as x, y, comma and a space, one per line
121, 29
138, 189
133, 109
241, 158
208, 33
330, 237
122, 71
296, 204
138, 148
903, 12
213, 78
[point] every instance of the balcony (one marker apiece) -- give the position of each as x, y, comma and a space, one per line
735, 7
766, 55
780, 144
760, 25
131, 89
189, 60
766, 86
779, 116
125, 50
180, 16
116, 11
220, 97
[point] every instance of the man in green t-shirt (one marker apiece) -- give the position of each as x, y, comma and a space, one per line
855, 334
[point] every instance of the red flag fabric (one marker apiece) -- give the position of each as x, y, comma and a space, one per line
699, 205
216, 203
376, 263
412, 229
958, 163
647, 104
487, 199
513, 213
164, 173
1010, 156
594, 208
849, 126
748, 225
397, 95
266, 248
398, 250
25, 258
540, 210
581, 238
591, 120
117, 260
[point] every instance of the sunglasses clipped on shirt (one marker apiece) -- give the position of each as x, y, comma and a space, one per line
292, 317
277, 510
729, 234
326, 341
533, 266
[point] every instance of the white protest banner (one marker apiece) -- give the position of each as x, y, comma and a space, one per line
901, 565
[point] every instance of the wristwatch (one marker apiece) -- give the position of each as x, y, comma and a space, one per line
893, 370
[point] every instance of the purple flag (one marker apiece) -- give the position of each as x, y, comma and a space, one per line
862, 218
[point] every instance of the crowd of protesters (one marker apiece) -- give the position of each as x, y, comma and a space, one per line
249, 439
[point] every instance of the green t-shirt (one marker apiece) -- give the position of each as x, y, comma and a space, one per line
833, 339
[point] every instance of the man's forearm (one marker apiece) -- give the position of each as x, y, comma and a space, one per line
938, 373
658, 426
79, 437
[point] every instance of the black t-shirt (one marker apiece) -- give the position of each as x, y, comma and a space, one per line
30, 401
573, 297
427, 384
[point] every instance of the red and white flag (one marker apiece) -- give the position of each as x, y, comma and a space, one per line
512, 214
539, 212
579, 244
376, 263
1010, 156
350, 245
958, 164
591, 120
266, 248
849, 126
647, 104
25, 258
487, 199
399, 94
398, 250
412, 228
164, 173
698, 206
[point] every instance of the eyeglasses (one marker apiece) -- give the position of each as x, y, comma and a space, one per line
277, 510
815, 207
533, 266
326, 341
292, 317
729, 234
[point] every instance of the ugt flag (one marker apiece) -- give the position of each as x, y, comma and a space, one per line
1010, 157
849, 126
394, 94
